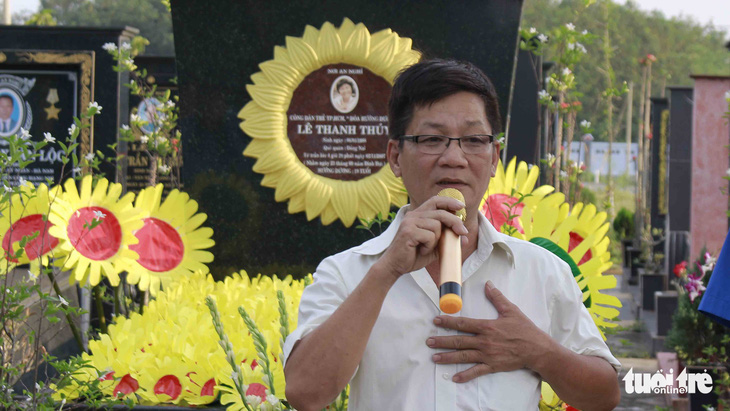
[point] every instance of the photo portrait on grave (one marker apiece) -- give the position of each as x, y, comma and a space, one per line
147, 111
344, 94
373, 310
11, 111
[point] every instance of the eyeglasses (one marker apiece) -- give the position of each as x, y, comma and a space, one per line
435, 144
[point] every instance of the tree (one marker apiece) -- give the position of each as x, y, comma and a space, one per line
681, 45
151, 17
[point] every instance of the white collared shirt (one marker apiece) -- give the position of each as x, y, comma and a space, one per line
396, 371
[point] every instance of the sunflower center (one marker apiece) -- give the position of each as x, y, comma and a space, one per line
26, 226
99, 243
575, 240
160, 247
501, 209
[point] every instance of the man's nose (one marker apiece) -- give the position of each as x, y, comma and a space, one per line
453, 156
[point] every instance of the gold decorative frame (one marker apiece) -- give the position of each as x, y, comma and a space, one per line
85, 60
265, 121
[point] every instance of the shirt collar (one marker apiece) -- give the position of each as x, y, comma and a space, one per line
489, 237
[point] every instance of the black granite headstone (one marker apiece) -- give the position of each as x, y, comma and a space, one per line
523, 140
49, 47
219, 45
659, 164
679, 177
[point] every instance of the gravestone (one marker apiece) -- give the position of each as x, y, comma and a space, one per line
71, 61
659, 170
708, 210
220, 45
679, 177
523, 140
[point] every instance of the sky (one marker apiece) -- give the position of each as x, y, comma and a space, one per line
703, 11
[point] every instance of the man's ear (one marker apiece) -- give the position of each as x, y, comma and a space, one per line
495, 158
393, 154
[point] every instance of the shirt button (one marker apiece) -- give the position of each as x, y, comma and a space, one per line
446, 376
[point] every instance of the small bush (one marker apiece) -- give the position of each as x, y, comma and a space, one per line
623, 224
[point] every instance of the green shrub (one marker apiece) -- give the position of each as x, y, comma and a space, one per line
623, 224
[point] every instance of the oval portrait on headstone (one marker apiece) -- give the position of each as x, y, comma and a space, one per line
12, 111
344, 94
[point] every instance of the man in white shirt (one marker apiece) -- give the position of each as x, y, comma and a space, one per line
6, 110
371, 316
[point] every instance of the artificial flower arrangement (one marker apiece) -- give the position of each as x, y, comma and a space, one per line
198, 341
696, 338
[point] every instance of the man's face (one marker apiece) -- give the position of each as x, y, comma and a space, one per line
6, 108
424, 175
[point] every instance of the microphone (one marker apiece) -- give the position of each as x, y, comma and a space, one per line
450, 260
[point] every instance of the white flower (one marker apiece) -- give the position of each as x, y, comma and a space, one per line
727, 172
132, 83
543, 38
566, 71
134, 117
585, 124
72, 129
253, 400
24, 134
144, 139
550, 156
62, 300
164, 168
125, 127
49, 138
77, 170
584, 32
99, 215
532, 30
126, 46
128, 62
272, 399
570, 26
89, 156
170, 103
571, 46
727, 95
581, 48
543, 94
22, 181
37, 387
109, 46
563, 174
160, 140
97, 108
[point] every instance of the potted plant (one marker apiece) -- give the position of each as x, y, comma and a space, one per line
701, 344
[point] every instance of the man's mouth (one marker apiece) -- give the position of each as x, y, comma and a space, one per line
453, 183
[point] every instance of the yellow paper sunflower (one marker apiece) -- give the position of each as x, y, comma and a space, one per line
24, 215
577, 236
170, 241
265, 121
93, 249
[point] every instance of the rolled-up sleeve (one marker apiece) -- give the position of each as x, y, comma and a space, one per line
572, 325
319, 301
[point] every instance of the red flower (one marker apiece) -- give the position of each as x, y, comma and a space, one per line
680, 268
577, 103
649, 136
582, 168
564, 105
651, 57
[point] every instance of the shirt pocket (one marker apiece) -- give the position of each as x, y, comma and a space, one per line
509, 391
